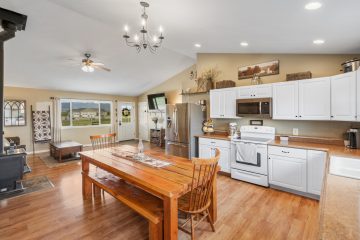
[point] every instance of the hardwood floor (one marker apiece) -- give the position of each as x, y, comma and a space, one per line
245, 211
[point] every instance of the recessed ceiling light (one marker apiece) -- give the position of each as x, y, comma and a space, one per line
318, 41
198, 45
244, 44
313, 6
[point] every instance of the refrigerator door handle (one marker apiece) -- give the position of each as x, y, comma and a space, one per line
176, 130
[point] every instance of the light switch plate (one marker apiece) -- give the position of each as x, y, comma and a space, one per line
295, 131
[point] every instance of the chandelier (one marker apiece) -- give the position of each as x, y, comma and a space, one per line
144, 40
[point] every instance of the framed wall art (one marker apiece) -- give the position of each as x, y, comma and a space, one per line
262, 69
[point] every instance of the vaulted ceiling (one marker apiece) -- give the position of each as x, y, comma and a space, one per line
59, 32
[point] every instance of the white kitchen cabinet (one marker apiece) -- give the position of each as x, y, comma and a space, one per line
286, 100
216, 98
358, 95
287, 172
256, 91
207, 150
223, 103
314, 99
315, 171
343, 97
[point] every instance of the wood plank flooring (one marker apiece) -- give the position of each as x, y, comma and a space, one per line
245, 211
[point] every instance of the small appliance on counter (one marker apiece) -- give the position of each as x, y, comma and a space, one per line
354, 138
233, 130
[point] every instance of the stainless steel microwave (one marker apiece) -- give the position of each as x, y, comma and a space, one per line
254, 106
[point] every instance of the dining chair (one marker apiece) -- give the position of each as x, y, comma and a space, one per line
100, 142
103, 141
196, 203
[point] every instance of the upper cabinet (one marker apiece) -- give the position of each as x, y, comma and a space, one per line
343, 97
285, 100
314, 99
223, 103
256, 91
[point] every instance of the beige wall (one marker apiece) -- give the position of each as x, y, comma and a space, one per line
228, 64
38, 95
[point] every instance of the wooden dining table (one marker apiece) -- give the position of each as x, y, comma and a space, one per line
168, 183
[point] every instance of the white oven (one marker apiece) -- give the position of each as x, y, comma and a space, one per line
249, 154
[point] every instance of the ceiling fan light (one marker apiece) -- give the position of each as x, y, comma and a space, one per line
87, 68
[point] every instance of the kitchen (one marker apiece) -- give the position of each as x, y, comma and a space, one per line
296, 163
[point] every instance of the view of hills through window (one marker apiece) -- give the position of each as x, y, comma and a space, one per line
85, 113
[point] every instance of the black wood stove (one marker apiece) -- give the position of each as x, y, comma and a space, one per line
11, 164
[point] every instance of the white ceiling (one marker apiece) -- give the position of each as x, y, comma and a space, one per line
58, 30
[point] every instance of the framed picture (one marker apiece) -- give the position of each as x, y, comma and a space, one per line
14, 113
262, 69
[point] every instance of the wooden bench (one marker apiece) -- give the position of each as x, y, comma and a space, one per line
147, 205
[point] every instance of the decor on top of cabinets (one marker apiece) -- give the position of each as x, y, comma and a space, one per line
256, 80
206, 80
298, 76
225, 84
14, 113
262, 69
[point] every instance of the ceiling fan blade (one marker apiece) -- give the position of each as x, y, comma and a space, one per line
101, 67
97, 64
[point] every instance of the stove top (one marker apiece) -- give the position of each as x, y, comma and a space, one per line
253, 140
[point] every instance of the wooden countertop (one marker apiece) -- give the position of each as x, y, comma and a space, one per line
215, 136
340, 197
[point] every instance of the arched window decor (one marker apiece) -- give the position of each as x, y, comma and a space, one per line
14, 113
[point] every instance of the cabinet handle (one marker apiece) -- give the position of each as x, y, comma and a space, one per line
296, 116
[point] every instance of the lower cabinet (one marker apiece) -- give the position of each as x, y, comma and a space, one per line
207, 148
297, 169
288, 172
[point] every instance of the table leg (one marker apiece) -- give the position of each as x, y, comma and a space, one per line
60, 155
170, 218
213, 205
86, 183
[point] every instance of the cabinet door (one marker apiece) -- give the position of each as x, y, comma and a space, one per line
229, 103
314, 99
287, 172
285, 100
224, 161
263, 91
315, 169
245, 92
205, 151
343, 97
216, 109
358, 94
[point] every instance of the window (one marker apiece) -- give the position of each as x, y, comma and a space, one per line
77, 113
14, 113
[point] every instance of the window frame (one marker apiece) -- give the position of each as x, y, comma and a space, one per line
87, 101
19, 102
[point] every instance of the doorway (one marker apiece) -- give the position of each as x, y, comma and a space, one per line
126, 120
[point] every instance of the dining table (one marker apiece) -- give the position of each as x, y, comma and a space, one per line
168, 183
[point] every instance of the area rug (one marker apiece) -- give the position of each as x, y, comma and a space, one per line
30, 185
52, 162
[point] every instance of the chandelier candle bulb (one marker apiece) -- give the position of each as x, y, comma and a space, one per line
126, 29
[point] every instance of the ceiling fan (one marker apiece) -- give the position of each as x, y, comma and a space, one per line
89, 66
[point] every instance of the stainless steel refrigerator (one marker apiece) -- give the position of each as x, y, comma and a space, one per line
183, 123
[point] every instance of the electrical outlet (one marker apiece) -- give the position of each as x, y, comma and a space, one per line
295, 131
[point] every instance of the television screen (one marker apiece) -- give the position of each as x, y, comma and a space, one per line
157, 101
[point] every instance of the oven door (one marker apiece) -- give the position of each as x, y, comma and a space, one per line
260, 168
255, 106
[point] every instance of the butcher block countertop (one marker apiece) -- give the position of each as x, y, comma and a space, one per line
219, 136
340, 197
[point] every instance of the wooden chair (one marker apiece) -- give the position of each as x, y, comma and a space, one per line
100, 142
196, 203
103, 141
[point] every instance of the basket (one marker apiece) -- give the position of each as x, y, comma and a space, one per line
298, 76
225, 84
